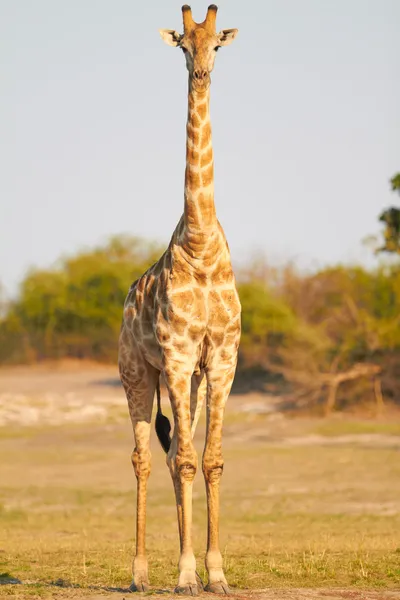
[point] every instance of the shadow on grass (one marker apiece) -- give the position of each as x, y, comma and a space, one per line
109, 382
249, 379
6, 579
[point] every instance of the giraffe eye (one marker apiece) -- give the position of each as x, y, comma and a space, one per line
216, 48
184, 49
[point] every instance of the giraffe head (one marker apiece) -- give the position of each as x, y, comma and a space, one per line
200, 43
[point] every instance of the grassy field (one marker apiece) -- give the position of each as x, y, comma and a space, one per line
306, 503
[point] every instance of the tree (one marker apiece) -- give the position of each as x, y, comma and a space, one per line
75, 308
391, 218
395, 181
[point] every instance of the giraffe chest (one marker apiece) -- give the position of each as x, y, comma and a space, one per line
196, 323
189, 318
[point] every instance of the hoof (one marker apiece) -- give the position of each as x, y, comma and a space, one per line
141, 587
218, 587
187, 590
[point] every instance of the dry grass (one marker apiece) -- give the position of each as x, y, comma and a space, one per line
294, 515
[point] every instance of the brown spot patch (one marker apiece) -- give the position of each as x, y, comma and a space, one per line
232, 339
206, 158
196, 331
139, 301
193, 135
191, 211
181, 346
222, 275
200, 304
218, 314
200, 278
141, 284
183, 300
213, 246
129, 313
202, 110
181, 277
207, 209
194, 120
192, 155
180, 385
163, 333
209, 258
192, 180
233, 327
218, 338
225, 354
178, 324
207, 176
205, 200
206, 135
231, 300
151, 289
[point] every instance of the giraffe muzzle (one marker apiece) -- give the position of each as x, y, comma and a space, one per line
201, 79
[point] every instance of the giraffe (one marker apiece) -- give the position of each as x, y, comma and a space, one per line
181, 320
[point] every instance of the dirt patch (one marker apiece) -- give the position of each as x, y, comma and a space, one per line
369, 440
268, 594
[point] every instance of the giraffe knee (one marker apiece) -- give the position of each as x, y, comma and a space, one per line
141, 463
213, 468
186, 463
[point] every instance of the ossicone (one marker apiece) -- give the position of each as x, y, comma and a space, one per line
211, 18
188, 22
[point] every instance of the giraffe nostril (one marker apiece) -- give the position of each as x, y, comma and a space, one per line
200, 75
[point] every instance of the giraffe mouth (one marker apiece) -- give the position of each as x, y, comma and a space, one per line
201, 86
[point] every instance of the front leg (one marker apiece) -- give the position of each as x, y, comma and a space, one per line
182, 461
219, 386
139, 380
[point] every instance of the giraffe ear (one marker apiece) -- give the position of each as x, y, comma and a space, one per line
226, 36
171, 37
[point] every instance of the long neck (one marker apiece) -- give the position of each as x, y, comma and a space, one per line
199, 214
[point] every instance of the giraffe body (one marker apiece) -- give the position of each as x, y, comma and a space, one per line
182, 319
186, 311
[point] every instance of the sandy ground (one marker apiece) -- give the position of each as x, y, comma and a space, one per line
293, 594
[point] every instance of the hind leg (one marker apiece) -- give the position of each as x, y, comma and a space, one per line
139, 380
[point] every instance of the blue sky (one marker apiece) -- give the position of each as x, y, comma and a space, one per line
306, 121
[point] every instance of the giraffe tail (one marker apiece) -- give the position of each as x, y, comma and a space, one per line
163, 426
